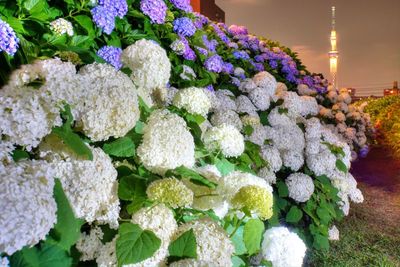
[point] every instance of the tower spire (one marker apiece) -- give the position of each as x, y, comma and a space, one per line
333, 54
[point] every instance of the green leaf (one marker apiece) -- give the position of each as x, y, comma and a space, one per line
86, 23
46, 255
321, 242
31, 4
19, 154
324, 215
294, 215
135, 244
341, 166
283, 190
70, 138
237, 262
131, 188
194, 177
184, 246
237, 239
248, 130
122, 147
67, 229
224, 166
252, 235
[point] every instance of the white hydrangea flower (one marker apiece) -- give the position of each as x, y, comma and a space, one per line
187, 73
194, 100
259, 134
228, 117
226, 138
333, 233
226, 100
260, 98
107, 256
6, 149
244, 105
239, 72
309, 106
213, 243
293, 159
167, 143
332, 95
268, 175
91, 186
277, 117
230, 184
4, 262
28, 209
61, 26
191, 263
281, 89
272, 156
111, 106
149, 63
288, 137
344, 97
325, 112
340, 117
267, 81
303, 89
277, 242
25, 118
301, 186
250, 119
247, 85
170, 95
90, 244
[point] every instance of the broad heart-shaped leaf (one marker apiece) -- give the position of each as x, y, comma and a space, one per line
224, 166
44, 255
193, 176
252, 235
135, 244
283, 190
294, 215
131, 188
122, 147
323, 214
341, 166
184, 246
67, 229
86, 23
238, 262
320, 242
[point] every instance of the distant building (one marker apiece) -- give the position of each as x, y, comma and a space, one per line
333, 54
209, 9
392, 91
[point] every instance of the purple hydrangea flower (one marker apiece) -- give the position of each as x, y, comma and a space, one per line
214, 63
235, 81
189, 54
8, 39
241, 55
211, 45
111, 55
200, 21
210, 88
182, 5
364, 151
184, 26
237, 30
273, 64
228, 68
104, 19
259, 58
118, 7
220, 33
202, 50
155, 9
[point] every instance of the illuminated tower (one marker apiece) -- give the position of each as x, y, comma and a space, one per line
333, 54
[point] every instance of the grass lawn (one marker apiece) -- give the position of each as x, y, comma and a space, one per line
369, 236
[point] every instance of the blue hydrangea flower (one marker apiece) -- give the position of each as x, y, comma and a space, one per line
8, 39
182, 5
189, 53
214, 63
104, 19
184, 26
117, 7
241, 55
202, 50
273, 64
111, 55
364, 151
210, 45
155, 9
210, 88
228, 68
200, 21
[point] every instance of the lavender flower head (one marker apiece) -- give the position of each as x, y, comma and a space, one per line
214, 63
184, 26
210, 45
228, 68
202, 50
237, 30
210, 88
364, 151
155, 9
182, 5
241, 55
200, 21
179, 47
111, 55
8, 39
103, 18
117, 7
189, 54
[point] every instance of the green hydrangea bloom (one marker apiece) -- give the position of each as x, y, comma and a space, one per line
171, 192
255, 199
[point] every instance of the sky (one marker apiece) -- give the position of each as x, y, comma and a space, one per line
368, 35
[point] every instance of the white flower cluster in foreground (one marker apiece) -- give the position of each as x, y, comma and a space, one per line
149, 64
283, 248
167, 143
301, 186
213, 243
90, 185
225, 138
62, 26
28, 209
193, 99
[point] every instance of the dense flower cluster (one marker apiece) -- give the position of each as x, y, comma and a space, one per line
155, 9
184, 26
193, 99
171, 192
62, 26
182, 5
111, 55
225, 138
9, 42
105, 12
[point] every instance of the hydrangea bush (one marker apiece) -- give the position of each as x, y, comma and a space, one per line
149, 135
